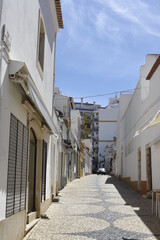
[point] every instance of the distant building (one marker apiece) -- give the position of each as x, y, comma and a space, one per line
69, 162
86, 111
107, 125
95, 138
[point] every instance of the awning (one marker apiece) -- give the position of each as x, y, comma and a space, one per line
154, 120
19, 74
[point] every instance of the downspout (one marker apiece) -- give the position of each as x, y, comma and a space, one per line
1, 3
54, 73
1, 53
54, 184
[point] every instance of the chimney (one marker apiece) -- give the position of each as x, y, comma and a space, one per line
81, 102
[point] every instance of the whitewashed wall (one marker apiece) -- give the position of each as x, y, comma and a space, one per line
107, 130
21, 19
142, 107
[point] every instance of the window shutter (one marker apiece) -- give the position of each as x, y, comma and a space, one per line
11, 167
44, 164
24, 168
17, 166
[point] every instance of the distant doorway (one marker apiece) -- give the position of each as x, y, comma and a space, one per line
32, 172
122, 162
62, 171
149, 169
139, 168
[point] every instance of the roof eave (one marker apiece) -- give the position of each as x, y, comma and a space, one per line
59, 13
154, 68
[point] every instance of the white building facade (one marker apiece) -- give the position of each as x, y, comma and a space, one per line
27, 56
139, 135
107, 128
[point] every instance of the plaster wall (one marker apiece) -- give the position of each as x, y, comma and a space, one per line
155, 151
10, 103
22, 23
23, 32
62, 103
107, 128
144, 103
11, 223
123, 104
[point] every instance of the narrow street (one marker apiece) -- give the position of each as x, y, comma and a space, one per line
98, 207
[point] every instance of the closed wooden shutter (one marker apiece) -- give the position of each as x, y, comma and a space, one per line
17, 166
44, 164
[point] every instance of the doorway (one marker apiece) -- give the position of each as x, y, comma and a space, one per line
62, 171
32, 172
121, 162
149, 169
139, 168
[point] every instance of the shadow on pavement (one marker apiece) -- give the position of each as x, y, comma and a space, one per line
134, 199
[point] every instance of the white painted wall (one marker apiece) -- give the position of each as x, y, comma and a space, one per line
123, 104
21, 20
155, 150
76, 125
9, 104
62, 104
107, 128
144, 104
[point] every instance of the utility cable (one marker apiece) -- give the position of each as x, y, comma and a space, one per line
106, 94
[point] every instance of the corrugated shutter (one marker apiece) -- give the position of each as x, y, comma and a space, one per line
17, 166
24, 168
44, 164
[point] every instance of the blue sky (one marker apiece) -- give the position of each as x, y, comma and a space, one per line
103, 44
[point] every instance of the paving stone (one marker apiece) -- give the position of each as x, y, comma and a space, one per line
98, 208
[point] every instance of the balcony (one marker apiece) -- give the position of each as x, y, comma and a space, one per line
95, 129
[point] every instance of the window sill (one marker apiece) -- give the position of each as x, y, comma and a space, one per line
41, 73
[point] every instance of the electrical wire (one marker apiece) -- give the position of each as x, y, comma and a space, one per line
106, 94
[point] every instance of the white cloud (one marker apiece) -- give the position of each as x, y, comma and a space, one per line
134, 12
104, 23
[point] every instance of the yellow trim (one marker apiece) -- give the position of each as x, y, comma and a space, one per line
105, 140
108, 121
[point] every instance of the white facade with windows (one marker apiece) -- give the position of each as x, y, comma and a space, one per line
107, 128
27, 56
70, 121
138, 139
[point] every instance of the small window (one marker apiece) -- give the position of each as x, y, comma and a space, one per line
41, 44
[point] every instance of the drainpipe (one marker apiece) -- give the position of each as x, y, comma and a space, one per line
55, 156
54, 72
81, 102
1, 4
1, 54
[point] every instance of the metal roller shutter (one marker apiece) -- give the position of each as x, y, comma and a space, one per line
44, 165
17, 166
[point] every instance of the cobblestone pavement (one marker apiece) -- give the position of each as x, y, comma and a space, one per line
96, 208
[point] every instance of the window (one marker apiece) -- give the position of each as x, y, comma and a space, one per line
41, 44
44, 165
17, 167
